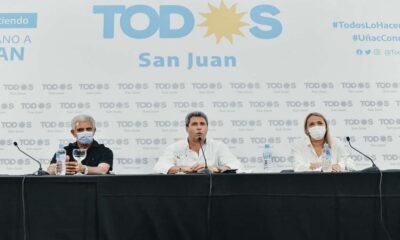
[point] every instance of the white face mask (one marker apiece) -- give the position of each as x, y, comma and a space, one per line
317, 132
85, 137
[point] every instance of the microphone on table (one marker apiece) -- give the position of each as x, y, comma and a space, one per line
40, 171
205, 170
373, 168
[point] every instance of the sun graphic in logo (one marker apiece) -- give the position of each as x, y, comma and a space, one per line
223, 22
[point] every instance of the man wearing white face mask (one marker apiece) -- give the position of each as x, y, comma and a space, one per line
99, 159
308, 153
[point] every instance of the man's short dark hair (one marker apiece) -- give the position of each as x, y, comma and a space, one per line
195, 114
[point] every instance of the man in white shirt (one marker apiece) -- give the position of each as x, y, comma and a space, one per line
186, 155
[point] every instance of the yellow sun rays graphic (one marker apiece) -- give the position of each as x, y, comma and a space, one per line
223, 22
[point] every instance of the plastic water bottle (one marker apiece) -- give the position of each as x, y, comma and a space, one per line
61, 157
267, 156
326, 159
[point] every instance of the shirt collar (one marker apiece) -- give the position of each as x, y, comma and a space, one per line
187, 142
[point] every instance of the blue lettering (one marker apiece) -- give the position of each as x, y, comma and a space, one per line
165, 21
140, 34
275, 25
109, 12
268, 27
13, 54
3, 54
144, 59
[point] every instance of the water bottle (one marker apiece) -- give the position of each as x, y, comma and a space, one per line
61, 156
326, 159
267, 156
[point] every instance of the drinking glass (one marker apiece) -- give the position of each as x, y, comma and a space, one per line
79, 155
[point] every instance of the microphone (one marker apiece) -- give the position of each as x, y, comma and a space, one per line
205, 170
373, 168
39, 172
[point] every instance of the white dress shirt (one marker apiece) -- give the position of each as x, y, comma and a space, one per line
304, 154
179, 154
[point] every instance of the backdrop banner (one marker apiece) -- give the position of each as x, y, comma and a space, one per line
256, 68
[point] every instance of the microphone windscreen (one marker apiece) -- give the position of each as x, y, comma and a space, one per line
15, 143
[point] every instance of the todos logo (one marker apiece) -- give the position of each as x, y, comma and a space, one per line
177, 21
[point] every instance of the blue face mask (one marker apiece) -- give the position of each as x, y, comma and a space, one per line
85, 137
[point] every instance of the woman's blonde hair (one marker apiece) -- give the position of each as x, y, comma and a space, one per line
327, 137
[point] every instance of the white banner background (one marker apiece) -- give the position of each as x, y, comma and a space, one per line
324, 60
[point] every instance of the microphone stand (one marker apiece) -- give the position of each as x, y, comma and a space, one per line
373, 168
40, 171
205, 170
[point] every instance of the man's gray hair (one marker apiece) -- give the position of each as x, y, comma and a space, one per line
83, 118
